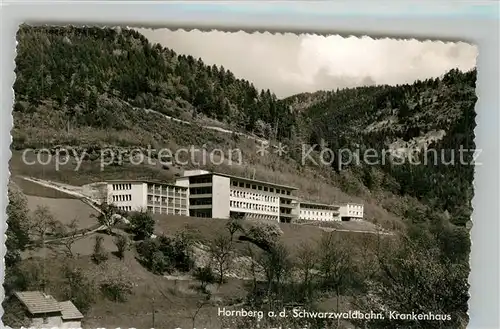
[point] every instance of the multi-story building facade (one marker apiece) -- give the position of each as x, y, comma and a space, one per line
218, 195
351, 211
200, 193
155, 197
312, 211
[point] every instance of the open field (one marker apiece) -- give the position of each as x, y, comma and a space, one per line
34, 189
65, 210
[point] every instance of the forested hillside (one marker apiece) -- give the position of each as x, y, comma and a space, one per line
435, 114
74, 66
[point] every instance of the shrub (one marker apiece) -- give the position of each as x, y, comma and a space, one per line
165, 254
121, 242
142, 225
80, 290
205, 276
99, 255
116, 290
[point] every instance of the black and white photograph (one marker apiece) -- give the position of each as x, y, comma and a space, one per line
233, 180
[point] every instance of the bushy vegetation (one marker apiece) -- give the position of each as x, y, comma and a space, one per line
205, 276
167, 254
99, 255
18, 223
142, 225
80, 290
121, 242
116, 290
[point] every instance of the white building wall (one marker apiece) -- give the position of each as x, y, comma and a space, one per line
296, 209
352, 210
220, 197
184, 182
257, 202
49, 322
166, 199
324, 215
128, 196
71, 325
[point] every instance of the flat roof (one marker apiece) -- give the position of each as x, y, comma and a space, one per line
141, 181
245, 179
312, 203
352, 203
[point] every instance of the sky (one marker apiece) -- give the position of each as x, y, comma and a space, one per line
289, 64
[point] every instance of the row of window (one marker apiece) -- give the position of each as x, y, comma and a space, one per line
157, 198
122, 197
321, 219
201, 213
121, 187
201, 201
200, 180
262, 217
252, 196
316, 213
355, 213
260, 188
125, 208
253, 206
170, 190
167, 211
200, 190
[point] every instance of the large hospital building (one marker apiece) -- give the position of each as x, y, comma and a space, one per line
223, 196
200, 193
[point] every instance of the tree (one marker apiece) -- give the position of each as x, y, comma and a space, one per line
67, 236
221, 252
106, 216
414, 278
43, 224
116, 289
264, 235
334, 262
306, 262
205, 276
233, 226
14, 313
79, 290
121, 242
142, 225
18, 227
154, 255
99, 255
277, 266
